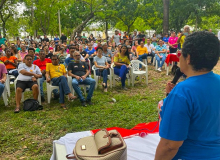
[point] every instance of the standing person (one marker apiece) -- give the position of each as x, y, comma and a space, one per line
166, 38
18, 42
184, 34
116, 38
63, 38
91, 38
160, 54
140, 37
80, 73
56, 39
27, 78
172, 42
2, 40
27, 40
3, 77
41, 63
134, 37
189, 127
46, 39
151, 50
46, 50
56, 73
38, 39
121, 61
102, 66
154, 40
10, 63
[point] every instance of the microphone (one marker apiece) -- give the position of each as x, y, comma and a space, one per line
177, 76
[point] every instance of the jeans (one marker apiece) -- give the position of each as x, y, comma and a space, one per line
42, 79
87, 81
104, 74
14, 73
158, 60
121, 72
2, 86
152, 54
63, 86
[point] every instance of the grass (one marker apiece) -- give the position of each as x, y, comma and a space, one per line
30, 135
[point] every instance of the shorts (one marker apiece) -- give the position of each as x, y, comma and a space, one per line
25, 84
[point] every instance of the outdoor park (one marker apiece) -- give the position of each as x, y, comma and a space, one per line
30, 135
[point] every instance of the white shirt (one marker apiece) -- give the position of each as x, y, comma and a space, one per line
149, 48
219, 35
34, 69
81, 58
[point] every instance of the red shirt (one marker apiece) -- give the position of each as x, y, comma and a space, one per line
42, 64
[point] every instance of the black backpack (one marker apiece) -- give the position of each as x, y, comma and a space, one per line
31, 105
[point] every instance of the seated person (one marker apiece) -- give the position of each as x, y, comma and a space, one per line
70, 57
10, 63
47, 52
160, 54
121, 61
102, 67
131, 54
62, 55
27, 78
166, 38
91, 51
41, 63
107, 53
56, 73
141, 52
83, 53
150, 49
31, 51
189, 127
79, 72
3, 72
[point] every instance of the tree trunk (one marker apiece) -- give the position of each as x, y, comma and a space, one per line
129, 29
106, 29
166, 4
80, 27
4, 30
2, 3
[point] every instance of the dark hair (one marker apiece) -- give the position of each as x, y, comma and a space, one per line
56, 48
27, 56
55, 56
31, 49
99, 48
72, 47
126, 53
41, 51
203, 48
14, 49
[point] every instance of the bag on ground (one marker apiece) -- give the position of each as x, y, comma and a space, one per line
32, 105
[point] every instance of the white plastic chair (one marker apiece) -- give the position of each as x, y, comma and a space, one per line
4, 96
135, 71
28, 89
50, 88
113, 75
69, 79
7, 84
96, 77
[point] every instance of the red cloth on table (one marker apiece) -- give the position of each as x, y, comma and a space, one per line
171, 58
152, 127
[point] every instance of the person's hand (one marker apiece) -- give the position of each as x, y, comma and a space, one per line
161, 56
7, 61
34, 79
106, 67
2, 81
78, 77
48, 80
83, 77
43, 72
169, 87
35, 75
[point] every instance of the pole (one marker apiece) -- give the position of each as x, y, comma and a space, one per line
59, 22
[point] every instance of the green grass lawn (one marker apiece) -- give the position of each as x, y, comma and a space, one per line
29, 135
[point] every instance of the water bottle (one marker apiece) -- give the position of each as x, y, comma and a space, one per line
80, 80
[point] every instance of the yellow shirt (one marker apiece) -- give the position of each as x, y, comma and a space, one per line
182, 40
141, 50
121, 59
55, 71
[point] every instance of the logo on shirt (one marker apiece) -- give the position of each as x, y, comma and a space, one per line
31, 70
75, 66
83, 66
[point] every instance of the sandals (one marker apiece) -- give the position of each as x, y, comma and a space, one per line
64, 107
72, 97
103, 85
17, 110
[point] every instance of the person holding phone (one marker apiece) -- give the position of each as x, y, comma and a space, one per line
186, 32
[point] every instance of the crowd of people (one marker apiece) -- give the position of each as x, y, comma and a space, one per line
54, 60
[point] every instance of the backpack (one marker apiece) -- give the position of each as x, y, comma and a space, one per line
31, 105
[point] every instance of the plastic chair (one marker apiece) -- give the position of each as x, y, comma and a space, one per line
4, 96
113, 75
50, 88
96, 77
28, 89
7, 85
135, 71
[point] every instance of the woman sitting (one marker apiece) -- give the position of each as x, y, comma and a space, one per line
121, 61
102, 66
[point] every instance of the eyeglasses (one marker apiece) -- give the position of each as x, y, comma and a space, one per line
29, 59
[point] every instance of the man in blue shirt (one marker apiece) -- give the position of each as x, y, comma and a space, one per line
56, 40
190, 126
160, 54
166, 38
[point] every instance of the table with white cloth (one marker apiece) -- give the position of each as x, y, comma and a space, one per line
138, 148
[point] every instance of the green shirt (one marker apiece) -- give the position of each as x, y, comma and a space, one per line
2, 41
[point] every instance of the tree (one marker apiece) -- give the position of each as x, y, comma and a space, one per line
166, 4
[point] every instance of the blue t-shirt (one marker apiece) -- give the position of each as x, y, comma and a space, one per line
55, 39
90, 51
68, 60
191, 113
160, 48
166, 39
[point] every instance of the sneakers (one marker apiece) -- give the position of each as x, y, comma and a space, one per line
124, 88
42, 99
89, 102
105, 90
159, 69
84, 103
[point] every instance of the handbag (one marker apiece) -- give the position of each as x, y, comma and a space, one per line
31, 105
103, 145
